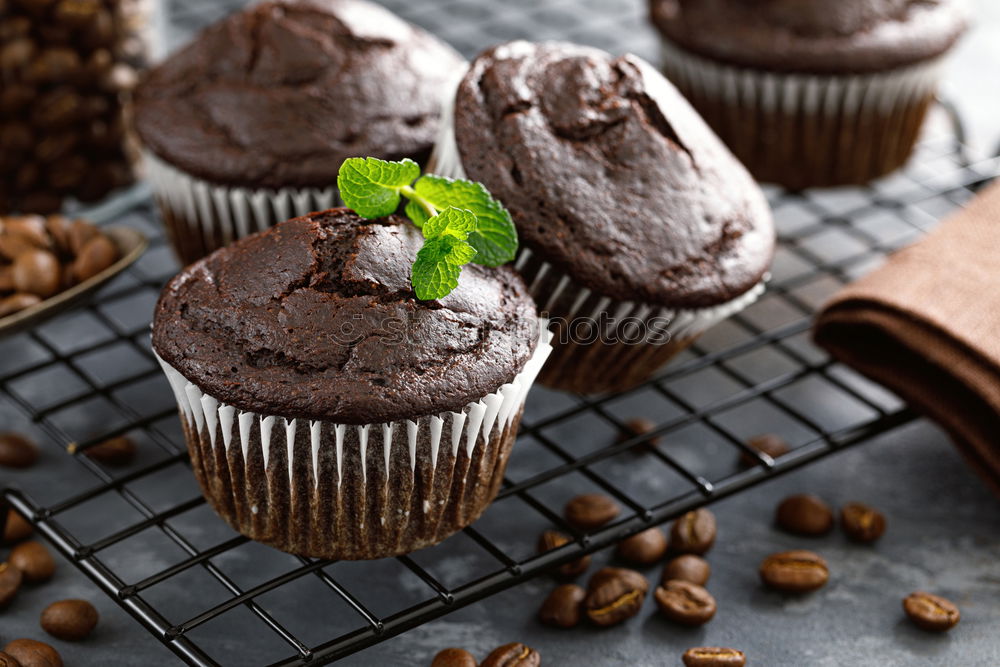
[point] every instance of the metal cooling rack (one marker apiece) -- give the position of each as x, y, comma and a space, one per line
146, 537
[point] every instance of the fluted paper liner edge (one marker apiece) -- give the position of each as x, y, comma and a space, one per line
307, 486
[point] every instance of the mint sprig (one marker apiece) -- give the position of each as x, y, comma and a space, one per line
374, 184
460, 220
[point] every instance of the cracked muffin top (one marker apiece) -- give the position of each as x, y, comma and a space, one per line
281, 93
813, 36
316, 319
611, 176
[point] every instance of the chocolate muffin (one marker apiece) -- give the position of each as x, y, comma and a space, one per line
328, 412
248, 125
809, 92
639, 229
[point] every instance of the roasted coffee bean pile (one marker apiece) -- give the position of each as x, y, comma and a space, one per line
66, 68
40, 257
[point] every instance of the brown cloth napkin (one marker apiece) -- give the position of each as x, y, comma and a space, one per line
927, 326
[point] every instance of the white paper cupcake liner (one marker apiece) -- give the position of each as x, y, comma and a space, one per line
324, 489
803, 130
793, 93
564, 300
557, 295
214, 216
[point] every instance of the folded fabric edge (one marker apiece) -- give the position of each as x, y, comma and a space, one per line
877, 340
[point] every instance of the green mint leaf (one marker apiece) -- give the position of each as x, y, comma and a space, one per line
495, 237
452, 221
438, 266
371, 186
416, 213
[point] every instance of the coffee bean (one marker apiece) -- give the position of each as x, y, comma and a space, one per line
563, 607
7, 660
16, 451
29, 227
37, 272
6, 280
684, 602
931, 612
454, 657
57, 227
13, 245
99, 64
804, 514
769, 443
614, 595
16, 96
644, 548
33, 560
13, 27
861, 522
553, 539
16, 54
591, 511
79, 233
641, 426
693, 533
101, 32
796, 571
16, 529
118, 451
76, 13
713, 656
58, 109
513, 655
605, 574
688, 568
15, 303
70, 620
53, 65
96, 255
30, 653
10, 583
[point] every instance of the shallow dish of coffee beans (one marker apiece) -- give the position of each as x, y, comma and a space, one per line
130, 243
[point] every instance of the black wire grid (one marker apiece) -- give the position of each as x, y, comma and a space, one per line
146, 537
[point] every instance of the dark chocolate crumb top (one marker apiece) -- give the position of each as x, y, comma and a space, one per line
611, 175
316, 319
281, 93
813, 36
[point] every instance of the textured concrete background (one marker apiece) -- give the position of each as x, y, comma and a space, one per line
944, 536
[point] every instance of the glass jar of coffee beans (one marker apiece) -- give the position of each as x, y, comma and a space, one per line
66, 70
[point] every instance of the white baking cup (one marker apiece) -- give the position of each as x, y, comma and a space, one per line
558, 295
214, 212
793, 93
308, 486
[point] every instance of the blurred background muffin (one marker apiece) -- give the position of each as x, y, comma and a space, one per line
807, 92
639, 229
248, 125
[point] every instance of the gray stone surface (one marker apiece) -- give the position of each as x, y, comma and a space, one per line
944, 526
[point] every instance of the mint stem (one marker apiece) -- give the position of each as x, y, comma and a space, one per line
411, 194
